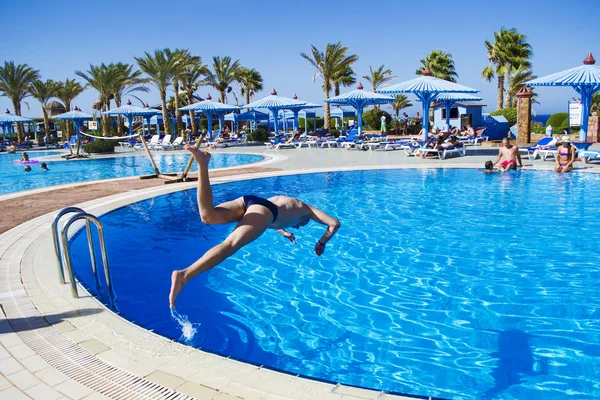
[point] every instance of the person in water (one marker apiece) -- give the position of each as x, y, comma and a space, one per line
489, 167
565, 156
511, 156
27, 169
254, 216
44, 166
25, 157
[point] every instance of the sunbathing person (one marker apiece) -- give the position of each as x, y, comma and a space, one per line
511, 154
470, 130
565, 156
451, 141
254, 215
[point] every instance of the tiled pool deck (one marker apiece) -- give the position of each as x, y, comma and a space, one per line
53, 346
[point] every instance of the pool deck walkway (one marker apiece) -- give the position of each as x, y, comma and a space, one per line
53, 346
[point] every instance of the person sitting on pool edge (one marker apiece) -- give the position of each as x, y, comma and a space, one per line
511, 154
254, 216
565, 156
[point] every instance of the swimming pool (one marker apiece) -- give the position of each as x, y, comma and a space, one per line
448, 283
13, 179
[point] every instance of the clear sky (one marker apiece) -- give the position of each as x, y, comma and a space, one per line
62, 36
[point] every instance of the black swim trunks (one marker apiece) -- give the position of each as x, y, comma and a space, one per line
251, 199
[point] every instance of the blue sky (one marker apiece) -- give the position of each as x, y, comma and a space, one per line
63, 36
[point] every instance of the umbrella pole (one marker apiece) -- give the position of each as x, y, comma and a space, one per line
447, 105
150, 155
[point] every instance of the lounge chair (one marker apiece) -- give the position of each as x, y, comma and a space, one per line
342, 141
152, 142
177, 143
545, 143
589, 155
278, 144
163, 144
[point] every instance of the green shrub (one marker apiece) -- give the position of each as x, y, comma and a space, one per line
259, 135
509, 113
373, 119
558, 120
100, 146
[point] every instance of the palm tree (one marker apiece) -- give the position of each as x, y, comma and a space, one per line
509, 51
66, 92
379, 77
101, 78
595, 105
441, 65
250, 81
344, 77
191, 79
184, 60
522, 75
160, 68
330, 65
14, 83
400, 102
43, 91
126, 81
223, 75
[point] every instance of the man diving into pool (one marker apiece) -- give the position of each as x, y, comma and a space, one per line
254, 215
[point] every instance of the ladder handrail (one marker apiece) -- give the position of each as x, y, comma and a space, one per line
65, 244
61, 267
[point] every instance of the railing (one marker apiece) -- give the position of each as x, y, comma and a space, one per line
80, 215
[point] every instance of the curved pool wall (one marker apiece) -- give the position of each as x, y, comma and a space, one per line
449, 283
14, 179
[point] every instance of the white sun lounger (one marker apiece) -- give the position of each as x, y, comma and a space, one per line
441, 153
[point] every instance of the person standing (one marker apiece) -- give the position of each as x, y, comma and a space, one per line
406, 122
383, 128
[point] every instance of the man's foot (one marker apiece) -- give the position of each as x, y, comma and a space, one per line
202, 157
176, 286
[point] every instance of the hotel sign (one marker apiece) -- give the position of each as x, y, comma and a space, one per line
575, 113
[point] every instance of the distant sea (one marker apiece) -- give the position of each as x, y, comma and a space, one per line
541, 118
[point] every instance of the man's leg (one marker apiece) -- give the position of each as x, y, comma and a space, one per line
222, 214
251, 226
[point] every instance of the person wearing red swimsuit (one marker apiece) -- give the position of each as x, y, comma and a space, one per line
511, 155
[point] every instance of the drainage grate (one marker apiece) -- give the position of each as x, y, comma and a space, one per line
81, 366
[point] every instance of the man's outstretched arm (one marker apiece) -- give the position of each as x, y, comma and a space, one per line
332, 226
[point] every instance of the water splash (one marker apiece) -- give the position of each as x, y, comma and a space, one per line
188, 329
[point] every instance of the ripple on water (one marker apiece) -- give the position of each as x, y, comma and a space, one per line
448, 283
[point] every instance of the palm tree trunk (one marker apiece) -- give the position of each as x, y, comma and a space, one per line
165, 114
105, 121
177, 112
191, 114
326, 89
247, 95
500, 102
46, 121
17, 107
68, 126
119, 118
222, 96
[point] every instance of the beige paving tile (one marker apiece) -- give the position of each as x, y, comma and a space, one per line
13, 394
76, 336
73, 389
43, 392
240, 390
167, 380
4, 383
64, 326
51, 376
357, 392
9, 366
126, 363
10, 339
93, 346
21, 351
23, 379
96, 396
34, 363
225, 396
4, 353
197, 391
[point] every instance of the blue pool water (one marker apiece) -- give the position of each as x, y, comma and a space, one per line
449, 283
13, 179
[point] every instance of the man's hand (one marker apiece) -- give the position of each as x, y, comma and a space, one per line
319, 248
290, 236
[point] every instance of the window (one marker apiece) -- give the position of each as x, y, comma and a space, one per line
453, 113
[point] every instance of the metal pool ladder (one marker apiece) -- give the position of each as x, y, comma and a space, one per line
79, 215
